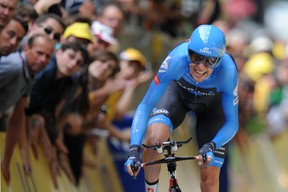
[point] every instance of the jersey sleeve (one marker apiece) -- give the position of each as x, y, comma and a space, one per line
228, 79
169, 70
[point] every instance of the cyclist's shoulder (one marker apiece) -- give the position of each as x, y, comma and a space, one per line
228, 63
177, 57
179, 49
227, 68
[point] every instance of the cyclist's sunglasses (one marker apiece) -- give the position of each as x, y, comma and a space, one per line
49, 30
210, 62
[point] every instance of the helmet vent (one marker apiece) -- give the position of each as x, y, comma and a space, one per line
204, 33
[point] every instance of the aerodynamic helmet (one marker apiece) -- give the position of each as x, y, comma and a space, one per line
208, 41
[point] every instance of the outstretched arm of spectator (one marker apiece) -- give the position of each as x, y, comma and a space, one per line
125, 101
113, 131
100, 95
50, 154
207, 11
42, 6
15, 133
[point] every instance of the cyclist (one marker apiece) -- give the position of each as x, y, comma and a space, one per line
199, 76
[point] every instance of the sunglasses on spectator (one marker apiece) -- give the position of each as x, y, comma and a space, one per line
49, 30
197, 59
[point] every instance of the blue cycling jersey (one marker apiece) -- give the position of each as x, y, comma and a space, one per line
224, 80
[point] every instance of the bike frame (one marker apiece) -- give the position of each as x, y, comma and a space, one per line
173, 184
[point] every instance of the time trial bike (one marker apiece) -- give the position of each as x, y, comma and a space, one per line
168, 149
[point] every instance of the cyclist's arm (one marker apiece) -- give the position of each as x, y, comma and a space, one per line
168, 71
229, 87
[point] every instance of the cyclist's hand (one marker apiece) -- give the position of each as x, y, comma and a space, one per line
206, 155
133, 164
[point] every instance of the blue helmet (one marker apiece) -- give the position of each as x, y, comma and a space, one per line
208, 40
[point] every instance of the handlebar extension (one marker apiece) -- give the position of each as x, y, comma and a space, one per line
167, 145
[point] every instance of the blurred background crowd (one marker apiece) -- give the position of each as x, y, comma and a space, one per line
72, 71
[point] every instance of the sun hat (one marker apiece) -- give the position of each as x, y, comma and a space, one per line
79, 30
131, 54
103, 32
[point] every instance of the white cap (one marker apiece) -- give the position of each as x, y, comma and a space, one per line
103, 32
261, 43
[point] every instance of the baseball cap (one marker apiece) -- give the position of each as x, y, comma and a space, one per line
103, 32
259, 64
261, 43
79, 30
132, 54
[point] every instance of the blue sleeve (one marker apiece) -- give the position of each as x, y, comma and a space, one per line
169, 70
228, 78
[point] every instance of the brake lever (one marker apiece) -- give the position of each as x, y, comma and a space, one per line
204, 158
135, 167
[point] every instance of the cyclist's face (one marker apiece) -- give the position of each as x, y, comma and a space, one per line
201, 67
199, 72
